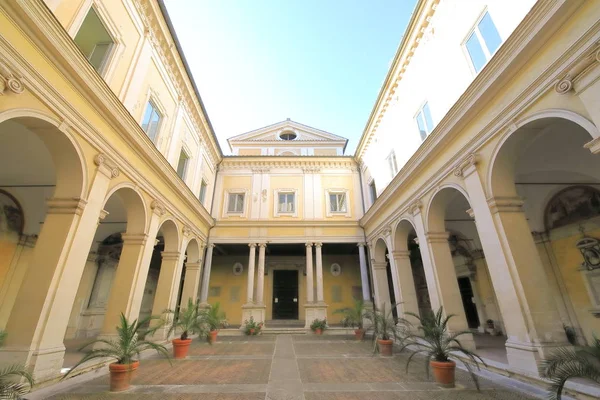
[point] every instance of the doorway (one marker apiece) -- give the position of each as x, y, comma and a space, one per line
466, 293
285, 294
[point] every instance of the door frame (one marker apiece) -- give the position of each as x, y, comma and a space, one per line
286, 266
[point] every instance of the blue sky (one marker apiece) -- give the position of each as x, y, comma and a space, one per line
320, 63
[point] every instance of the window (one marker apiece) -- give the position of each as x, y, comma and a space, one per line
392, 165
288, 136
286, 202
483, 42
94, 41
337, 202
373, 191
184, 160
236, 203
202, 194
151, 121
424, 121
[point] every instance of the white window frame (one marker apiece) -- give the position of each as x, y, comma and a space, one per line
200, 194
185, 151
118, 47
330, 213
153, 97
420, 112
276, 194
392, 163
482, 43
226, 212
372, 194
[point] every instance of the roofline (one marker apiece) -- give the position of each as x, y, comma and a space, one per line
163, 9
419, 7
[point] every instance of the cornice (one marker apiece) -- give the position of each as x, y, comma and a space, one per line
45, 32
290, 224
280, 162
532, 32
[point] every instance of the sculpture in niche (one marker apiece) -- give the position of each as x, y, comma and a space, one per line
336, 269
238, 268
11, 214
571, 205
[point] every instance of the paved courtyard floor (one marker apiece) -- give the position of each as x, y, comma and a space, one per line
303, 367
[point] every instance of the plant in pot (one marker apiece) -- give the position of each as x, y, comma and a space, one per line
251, 327
126, 349
214, 318
385, 329
572, 362
437, 344
353, 317
11, 376
188, 322
318, 326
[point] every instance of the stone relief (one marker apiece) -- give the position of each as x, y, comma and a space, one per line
571, 205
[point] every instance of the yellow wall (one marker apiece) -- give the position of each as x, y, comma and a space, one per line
221, 275
349, 277
249, 152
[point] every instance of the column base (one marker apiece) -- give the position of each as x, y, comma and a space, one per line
314, 311
256, 311
46, 363
524, 357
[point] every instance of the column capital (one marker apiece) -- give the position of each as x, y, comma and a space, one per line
158, 208
73, 205
437, 237
402, 254
308, 244
170, 255
415, 207
318, 244
470, 213
505, 204
361, 244
210, 246
103, 214
262, 245
134, 238
593, 146
466, 166
252, 245
106, 165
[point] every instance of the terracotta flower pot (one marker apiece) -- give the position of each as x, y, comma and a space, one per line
318, 331
181, 347
252, 331
121, 375
359, 334
212, 336
443, 372
385, 347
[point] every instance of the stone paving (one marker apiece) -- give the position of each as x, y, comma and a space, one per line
303, 367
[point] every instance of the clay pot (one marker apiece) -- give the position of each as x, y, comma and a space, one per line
212, 336
121, 375
359, 334
252, 331
318, 331
443, 372
385, 347
181, 347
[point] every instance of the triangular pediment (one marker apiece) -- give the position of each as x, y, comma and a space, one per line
275, 132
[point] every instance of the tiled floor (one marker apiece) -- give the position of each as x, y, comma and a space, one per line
304, 367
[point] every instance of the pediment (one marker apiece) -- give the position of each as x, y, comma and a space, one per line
275, 133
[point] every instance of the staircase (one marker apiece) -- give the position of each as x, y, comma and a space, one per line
284, 327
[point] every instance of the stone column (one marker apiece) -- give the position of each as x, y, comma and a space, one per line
447, 285
364, 273
380, 281
408, 294
167, 287
260, 275
251, 262
191, 281
319, 269
40, 315
310, 285
206, 276
529, 313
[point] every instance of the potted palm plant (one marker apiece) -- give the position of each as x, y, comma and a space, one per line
125, 349
318, 326
11, 386
566, 363
385, 329
353, 317
435, 342
188, 322
214, 318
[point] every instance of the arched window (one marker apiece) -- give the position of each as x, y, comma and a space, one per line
11, 214
571, 205
287, 135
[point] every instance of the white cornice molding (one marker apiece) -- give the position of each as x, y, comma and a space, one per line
322, 223
533, 32
282, 162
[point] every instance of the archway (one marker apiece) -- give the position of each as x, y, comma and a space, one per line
190, 276
383, 278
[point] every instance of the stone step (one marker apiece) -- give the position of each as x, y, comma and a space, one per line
280, 330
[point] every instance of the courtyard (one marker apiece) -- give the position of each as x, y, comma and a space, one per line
288, 367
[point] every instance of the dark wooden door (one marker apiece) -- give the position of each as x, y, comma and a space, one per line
285, 294
466, 292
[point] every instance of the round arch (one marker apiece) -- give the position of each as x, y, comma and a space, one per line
135, 207
403, 229
193, 250
436, 209
170, 233
379, 250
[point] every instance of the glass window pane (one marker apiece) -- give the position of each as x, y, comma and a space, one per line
428, 119
476, 52
489, 33
202, 192
182, 165
333, 202
342, 202
99, 55
147, 115
421, 124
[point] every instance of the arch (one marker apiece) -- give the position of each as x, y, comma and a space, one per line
436, 209
502, 165
66, 154
401, 232
379, 250
571, 205
135, 206
170, 233
193, 250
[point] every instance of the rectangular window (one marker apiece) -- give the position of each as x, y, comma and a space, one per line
337, 202
286, 202
151, 121
94, 41
236, 203
392, 164
373, 191
424, 121
483, 42
202, 194
184, 160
